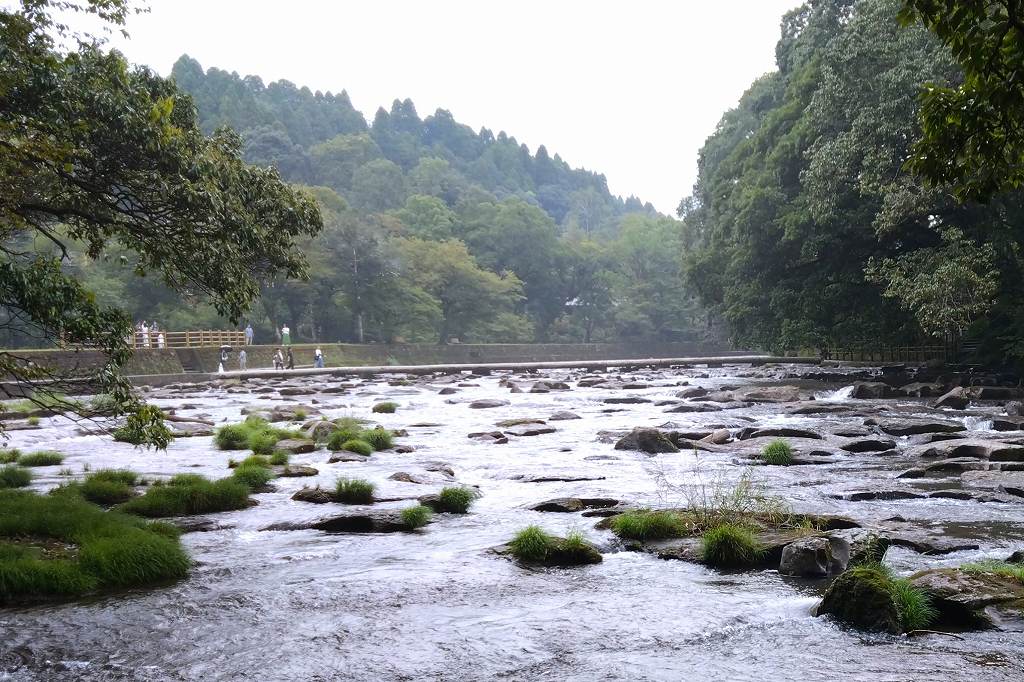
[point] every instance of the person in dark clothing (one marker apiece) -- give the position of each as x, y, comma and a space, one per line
291, 359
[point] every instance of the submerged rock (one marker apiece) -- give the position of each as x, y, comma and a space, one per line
563, 416
366, 522
295, 446
296, 471
871, 390
488, 403
869, 445
314, 495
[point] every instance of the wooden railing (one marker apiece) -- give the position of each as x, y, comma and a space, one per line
189, 339
880, 353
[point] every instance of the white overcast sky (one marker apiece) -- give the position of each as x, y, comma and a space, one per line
628, 89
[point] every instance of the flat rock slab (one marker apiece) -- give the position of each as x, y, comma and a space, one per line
295, 446
1009, 482
868, 445
563, 416
913, 428
684, 408
372, 522
345, 456
296, 471
530, 430
651, 441
776, 432
494, 437
970, 600
955, 465
574, 504
553, 478
626, 400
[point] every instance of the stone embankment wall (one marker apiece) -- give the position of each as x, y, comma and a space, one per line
148, 361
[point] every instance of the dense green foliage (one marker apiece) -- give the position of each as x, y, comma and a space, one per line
386, 407
101, 159
380, 439
431, 231
113, 550
807, 230
973, 131
42, 458
254, 434
531, 544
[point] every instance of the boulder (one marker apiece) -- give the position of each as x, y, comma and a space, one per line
869, 445
574, 504
488, 403
775, 432
1015, 408
716, 437
314, 495
505, 423
651, 441
861, 599
188, 429
920, 389
318, 430
547, 386
448, 390
913, 428
692, 392
440, 468
296, 390
815, 557
406, 477
345, 456
295, 446
694, 407
494, 437
958, 399
296, 471
871, 390
1016, 558
975, 600
956, 465
563, 416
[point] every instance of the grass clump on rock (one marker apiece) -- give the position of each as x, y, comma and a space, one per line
188, 494
254, 434
417, 516
531, 544
9, 456
54, 546
646, 524
455, 499
380, 439
43, 458
252, 475
730, 545
108, 487
1003, 569
360, 447
354, 491
12, 476
387, 407
777, 453
868, 597
913, 604
279, 458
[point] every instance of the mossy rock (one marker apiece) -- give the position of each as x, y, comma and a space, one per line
861, 598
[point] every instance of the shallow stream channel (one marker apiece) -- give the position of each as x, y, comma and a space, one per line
439, 604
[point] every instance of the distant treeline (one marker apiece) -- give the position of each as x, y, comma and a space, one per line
431, 231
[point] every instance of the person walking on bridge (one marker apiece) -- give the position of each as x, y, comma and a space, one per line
291, 359
278, 359
318, 358
248, 333
243, 360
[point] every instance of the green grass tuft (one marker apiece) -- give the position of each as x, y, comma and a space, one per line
43, 458
456, 499
360, 447
254, 434
253, 476
279, 458
778, 453
354, 491
531, 544
386, 407
12, 476
33, 421
379, 439
645, 524
730, 545
1000, 568
913, 604
108, 487
417, 517
9, 456
189, 494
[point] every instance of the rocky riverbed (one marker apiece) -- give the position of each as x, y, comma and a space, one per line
276, 595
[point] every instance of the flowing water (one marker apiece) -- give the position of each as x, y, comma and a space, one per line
437, 605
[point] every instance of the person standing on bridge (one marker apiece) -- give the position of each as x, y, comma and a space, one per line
286, 336
291, 359
243, 360
318, 358
278, 359
248, 333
